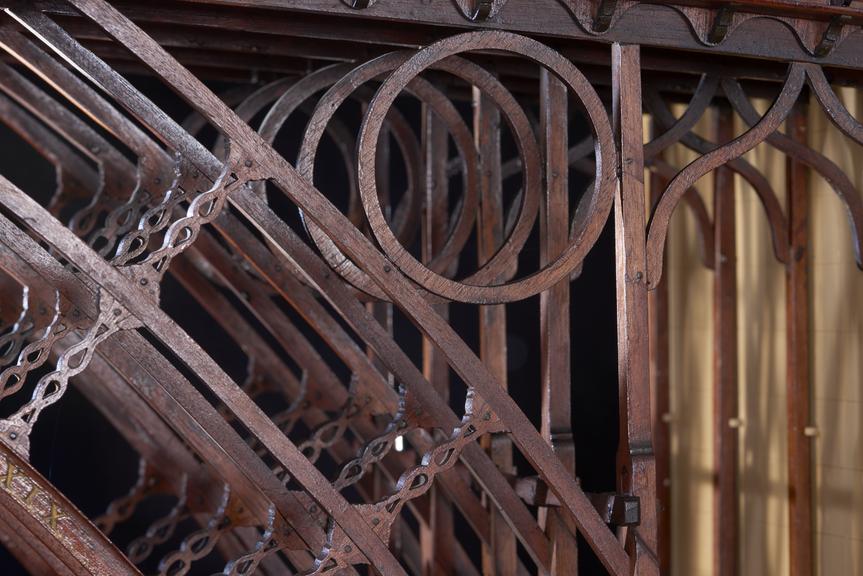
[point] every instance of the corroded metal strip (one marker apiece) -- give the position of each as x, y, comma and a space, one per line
121, 509
112, 318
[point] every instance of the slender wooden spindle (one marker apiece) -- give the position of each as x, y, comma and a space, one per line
725, 410
437, 539
797, 326
383, 311
659, 383
500, 558
636, 467
554, 311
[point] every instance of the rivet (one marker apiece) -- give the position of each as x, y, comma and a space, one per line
313, 509
376, 520
143, 281
248, 163
13, 435
387, 268
639, 276
348, 548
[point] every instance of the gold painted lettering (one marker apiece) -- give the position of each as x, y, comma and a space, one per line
11, 472
54, 515
34, 491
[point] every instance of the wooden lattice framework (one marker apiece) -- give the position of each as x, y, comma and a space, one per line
138, 196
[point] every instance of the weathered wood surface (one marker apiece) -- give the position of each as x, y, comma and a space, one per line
139, 197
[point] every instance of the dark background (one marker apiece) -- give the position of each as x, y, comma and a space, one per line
78, 451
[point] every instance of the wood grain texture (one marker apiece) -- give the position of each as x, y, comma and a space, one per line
320, 307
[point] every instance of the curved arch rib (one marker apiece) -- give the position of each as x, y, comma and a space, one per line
769, 201
268, 163
658, 227
834, 175
531, 541
677, 129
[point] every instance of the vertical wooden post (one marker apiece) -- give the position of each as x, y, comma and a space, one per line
436, 540
725, 410
657, 300
554, 312
383, 311
501, 557
797, 327
637, 473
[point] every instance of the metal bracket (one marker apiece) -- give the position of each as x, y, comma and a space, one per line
614, 509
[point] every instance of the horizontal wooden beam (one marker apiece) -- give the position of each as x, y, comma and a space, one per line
644, 24
650, 25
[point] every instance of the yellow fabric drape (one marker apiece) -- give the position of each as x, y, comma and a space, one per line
837, 372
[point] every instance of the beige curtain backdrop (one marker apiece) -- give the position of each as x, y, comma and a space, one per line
837, 372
